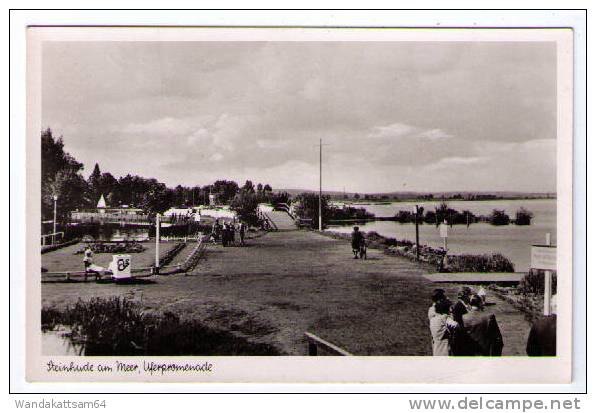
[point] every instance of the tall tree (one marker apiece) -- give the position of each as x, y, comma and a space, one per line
249, 186
225, 190
94, 183
61, 177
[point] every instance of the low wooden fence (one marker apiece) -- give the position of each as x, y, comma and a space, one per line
193, 258
54, 247
303, 222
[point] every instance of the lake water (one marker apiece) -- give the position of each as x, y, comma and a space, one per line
513, 241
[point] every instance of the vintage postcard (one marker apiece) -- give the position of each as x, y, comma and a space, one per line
299, 205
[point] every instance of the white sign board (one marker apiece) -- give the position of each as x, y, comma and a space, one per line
443, 230
544, 257
120, 266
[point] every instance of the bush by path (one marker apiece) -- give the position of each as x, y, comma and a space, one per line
435, 256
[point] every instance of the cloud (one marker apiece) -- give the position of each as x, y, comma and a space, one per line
160, 127
185, 112
403, 131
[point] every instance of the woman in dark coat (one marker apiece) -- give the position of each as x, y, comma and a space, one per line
480, 334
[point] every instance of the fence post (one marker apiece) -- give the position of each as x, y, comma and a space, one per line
312, 349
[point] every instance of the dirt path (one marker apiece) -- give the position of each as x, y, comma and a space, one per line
285, 283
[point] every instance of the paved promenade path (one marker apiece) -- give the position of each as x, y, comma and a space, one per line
287, 282
282, 220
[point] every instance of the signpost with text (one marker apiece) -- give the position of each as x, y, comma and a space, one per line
544, 257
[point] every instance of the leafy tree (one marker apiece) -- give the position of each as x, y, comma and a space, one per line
225, 190
248, 186
94, 183
523, 217
108, 186
267, 188
60, 176
307, 206
245, 204
281, 198
69, 186
499, 217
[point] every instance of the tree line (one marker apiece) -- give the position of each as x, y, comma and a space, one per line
61, 176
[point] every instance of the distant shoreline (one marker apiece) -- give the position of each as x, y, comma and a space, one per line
406, 200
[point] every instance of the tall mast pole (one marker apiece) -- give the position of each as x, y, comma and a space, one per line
320, 184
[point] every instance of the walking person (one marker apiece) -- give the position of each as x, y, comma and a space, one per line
225, 235
241, 230
357, 239
232, 234
215, 230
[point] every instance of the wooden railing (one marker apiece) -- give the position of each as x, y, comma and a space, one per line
132, 219
54, 237
319, 347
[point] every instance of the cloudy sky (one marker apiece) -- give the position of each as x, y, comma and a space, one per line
432, 116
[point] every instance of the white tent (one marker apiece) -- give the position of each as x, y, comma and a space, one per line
102, 202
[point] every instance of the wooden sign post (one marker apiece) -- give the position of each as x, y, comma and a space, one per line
443, 233
544, 257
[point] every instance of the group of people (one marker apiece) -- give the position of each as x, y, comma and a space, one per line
358, 244
463, 328
227, 232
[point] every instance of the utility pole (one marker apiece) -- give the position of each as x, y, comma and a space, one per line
320, 184
157, 227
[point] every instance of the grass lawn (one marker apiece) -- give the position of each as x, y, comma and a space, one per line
65, 259
285, 283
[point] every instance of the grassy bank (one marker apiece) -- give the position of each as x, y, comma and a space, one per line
118, 326
434, 257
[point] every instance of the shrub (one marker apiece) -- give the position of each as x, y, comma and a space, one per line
499, 217
245, 204
349, 213
307, 207
171, 254
478, 263
533, 282
113, 248
523, 217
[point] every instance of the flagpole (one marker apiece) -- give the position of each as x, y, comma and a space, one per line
320, 184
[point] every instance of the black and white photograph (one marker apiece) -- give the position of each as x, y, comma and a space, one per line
360, 193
